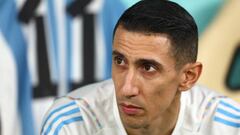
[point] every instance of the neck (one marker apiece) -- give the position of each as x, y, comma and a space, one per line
164, 125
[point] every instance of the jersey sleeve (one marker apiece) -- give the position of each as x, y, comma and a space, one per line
227, 117
64, 118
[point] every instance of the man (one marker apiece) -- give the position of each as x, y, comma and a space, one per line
152, 91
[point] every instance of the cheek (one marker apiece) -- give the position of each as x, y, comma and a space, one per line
160, 97
157, 106
115, 74
156, 100
118, 79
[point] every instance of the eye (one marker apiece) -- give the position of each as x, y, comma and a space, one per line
118, 60
149, 67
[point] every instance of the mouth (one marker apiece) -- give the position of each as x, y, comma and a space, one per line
130, 109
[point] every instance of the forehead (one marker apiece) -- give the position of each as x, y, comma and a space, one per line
141, 44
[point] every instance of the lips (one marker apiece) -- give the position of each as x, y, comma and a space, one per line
130, 109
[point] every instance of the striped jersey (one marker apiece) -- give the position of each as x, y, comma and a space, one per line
9, 118
92, 110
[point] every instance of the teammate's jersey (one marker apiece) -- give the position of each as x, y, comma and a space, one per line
57, 46
92, 110
8, 89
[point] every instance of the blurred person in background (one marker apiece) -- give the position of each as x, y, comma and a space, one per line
9, 120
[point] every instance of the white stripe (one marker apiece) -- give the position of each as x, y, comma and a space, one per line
227, 117
9, 93
19, 4
30, 32
94, 7
77, 47
100, 51
229, 110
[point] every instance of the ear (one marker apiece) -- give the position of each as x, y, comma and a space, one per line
189, 75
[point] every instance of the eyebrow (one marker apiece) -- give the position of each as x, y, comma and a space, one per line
114, 52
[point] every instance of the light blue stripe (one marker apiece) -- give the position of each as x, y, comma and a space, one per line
56, 110
73, 111
66, 122
69, 44
230, 106
226, 113
226, 122
54, 36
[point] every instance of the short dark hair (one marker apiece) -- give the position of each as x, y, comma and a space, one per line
164, 17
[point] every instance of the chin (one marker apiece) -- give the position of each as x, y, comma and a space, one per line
133, 122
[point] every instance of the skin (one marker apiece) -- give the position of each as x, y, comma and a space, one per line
148, 86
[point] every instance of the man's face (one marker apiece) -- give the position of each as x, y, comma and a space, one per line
144, 77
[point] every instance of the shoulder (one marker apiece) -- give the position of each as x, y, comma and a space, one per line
226, 117
199, 93
82, 111
62, 113
210, 112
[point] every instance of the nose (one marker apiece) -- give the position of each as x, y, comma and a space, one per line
130, 88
